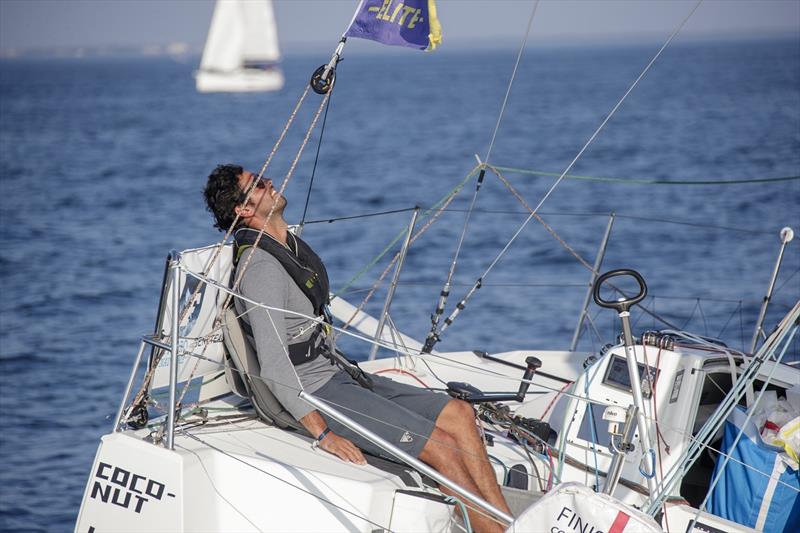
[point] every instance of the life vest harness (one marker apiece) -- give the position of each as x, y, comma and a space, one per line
306, 270
309, 274
300, 262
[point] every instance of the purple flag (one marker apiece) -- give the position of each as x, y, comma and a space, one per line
410, 23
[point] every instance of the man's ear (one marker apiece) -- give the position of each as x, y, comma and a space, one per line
243, 211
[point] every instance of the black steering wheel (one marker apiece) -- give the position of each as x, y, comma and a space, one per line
623, 304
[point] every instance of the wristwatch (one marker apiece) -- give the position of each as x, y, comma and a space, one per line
321, 436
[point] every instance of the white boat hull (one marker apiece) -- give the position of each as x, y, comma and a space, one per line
247, 476
230, 471
246, 80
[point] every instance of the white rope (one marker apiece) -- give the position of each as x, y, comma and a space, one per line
583, 149
511, 81
445, 292
452, 363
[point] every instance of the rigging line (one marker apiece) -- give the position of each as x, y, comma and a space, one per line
397, 339
549, 214
437, 209
318, 497
637, 181
695, 224
703, 316
632, 217
741, 431
352, 410
383, 344
445, 292
725, 326
787, 280
429, 283
541, 221
560, 240
433, 335
688, 320
613, 111
251, 188
694, 298
240, 271
388, 268
249, 192
316, 159
741, 325
590, 319
212, 260
564, 243
365, 215
673, 429
433, 218
575, 397
726, 406
442, 360
511, 81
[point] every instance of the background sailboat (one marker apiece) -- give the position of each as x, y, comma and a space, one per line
241, 52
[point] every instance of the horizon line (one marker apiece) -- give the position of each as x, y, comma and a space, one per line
181, 50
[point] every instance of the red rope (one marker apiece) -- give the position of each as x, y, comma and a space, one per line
547, 409
404, 372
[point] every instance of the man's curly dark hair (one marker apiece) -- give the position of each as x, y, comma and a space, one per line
223, 194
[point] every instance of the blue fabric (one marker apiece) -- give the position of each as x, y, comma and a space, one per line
395, 22
741, 489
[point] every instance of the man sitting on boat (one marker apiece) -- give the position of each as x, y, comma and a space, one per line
282, 272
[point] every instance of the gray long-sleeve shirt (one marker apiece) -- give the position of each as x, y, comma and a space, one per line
265, 281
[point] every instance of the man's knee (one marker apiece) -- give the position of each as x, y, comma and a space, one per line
456, 414
463, 410
440, 449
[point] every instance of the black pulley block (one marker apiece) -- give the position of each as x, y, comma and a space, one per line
322, 86
138, 417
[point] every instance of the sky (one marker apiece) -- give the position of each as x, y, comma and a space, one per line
311, 24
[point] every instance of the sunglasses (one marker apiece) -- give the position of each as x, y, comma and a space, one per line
262, 183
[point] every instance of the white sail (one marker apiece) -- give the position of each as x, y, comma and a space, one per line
260, 32
223, 50
241, 51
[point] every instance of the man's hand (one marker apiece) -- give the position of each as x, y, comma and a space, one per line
338, 446
342, 448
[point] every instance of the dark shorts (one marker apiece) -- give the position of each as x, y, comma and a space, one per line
402, 414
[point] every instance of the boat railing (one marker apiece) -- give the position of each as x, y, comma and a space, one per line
173, 347
585, 321
174, 292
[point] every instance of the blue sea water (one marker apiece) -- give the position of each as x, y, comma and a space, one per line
102, 163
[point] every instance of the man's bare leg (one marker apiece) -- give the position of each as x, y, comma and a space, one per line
441, 452
458, 419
